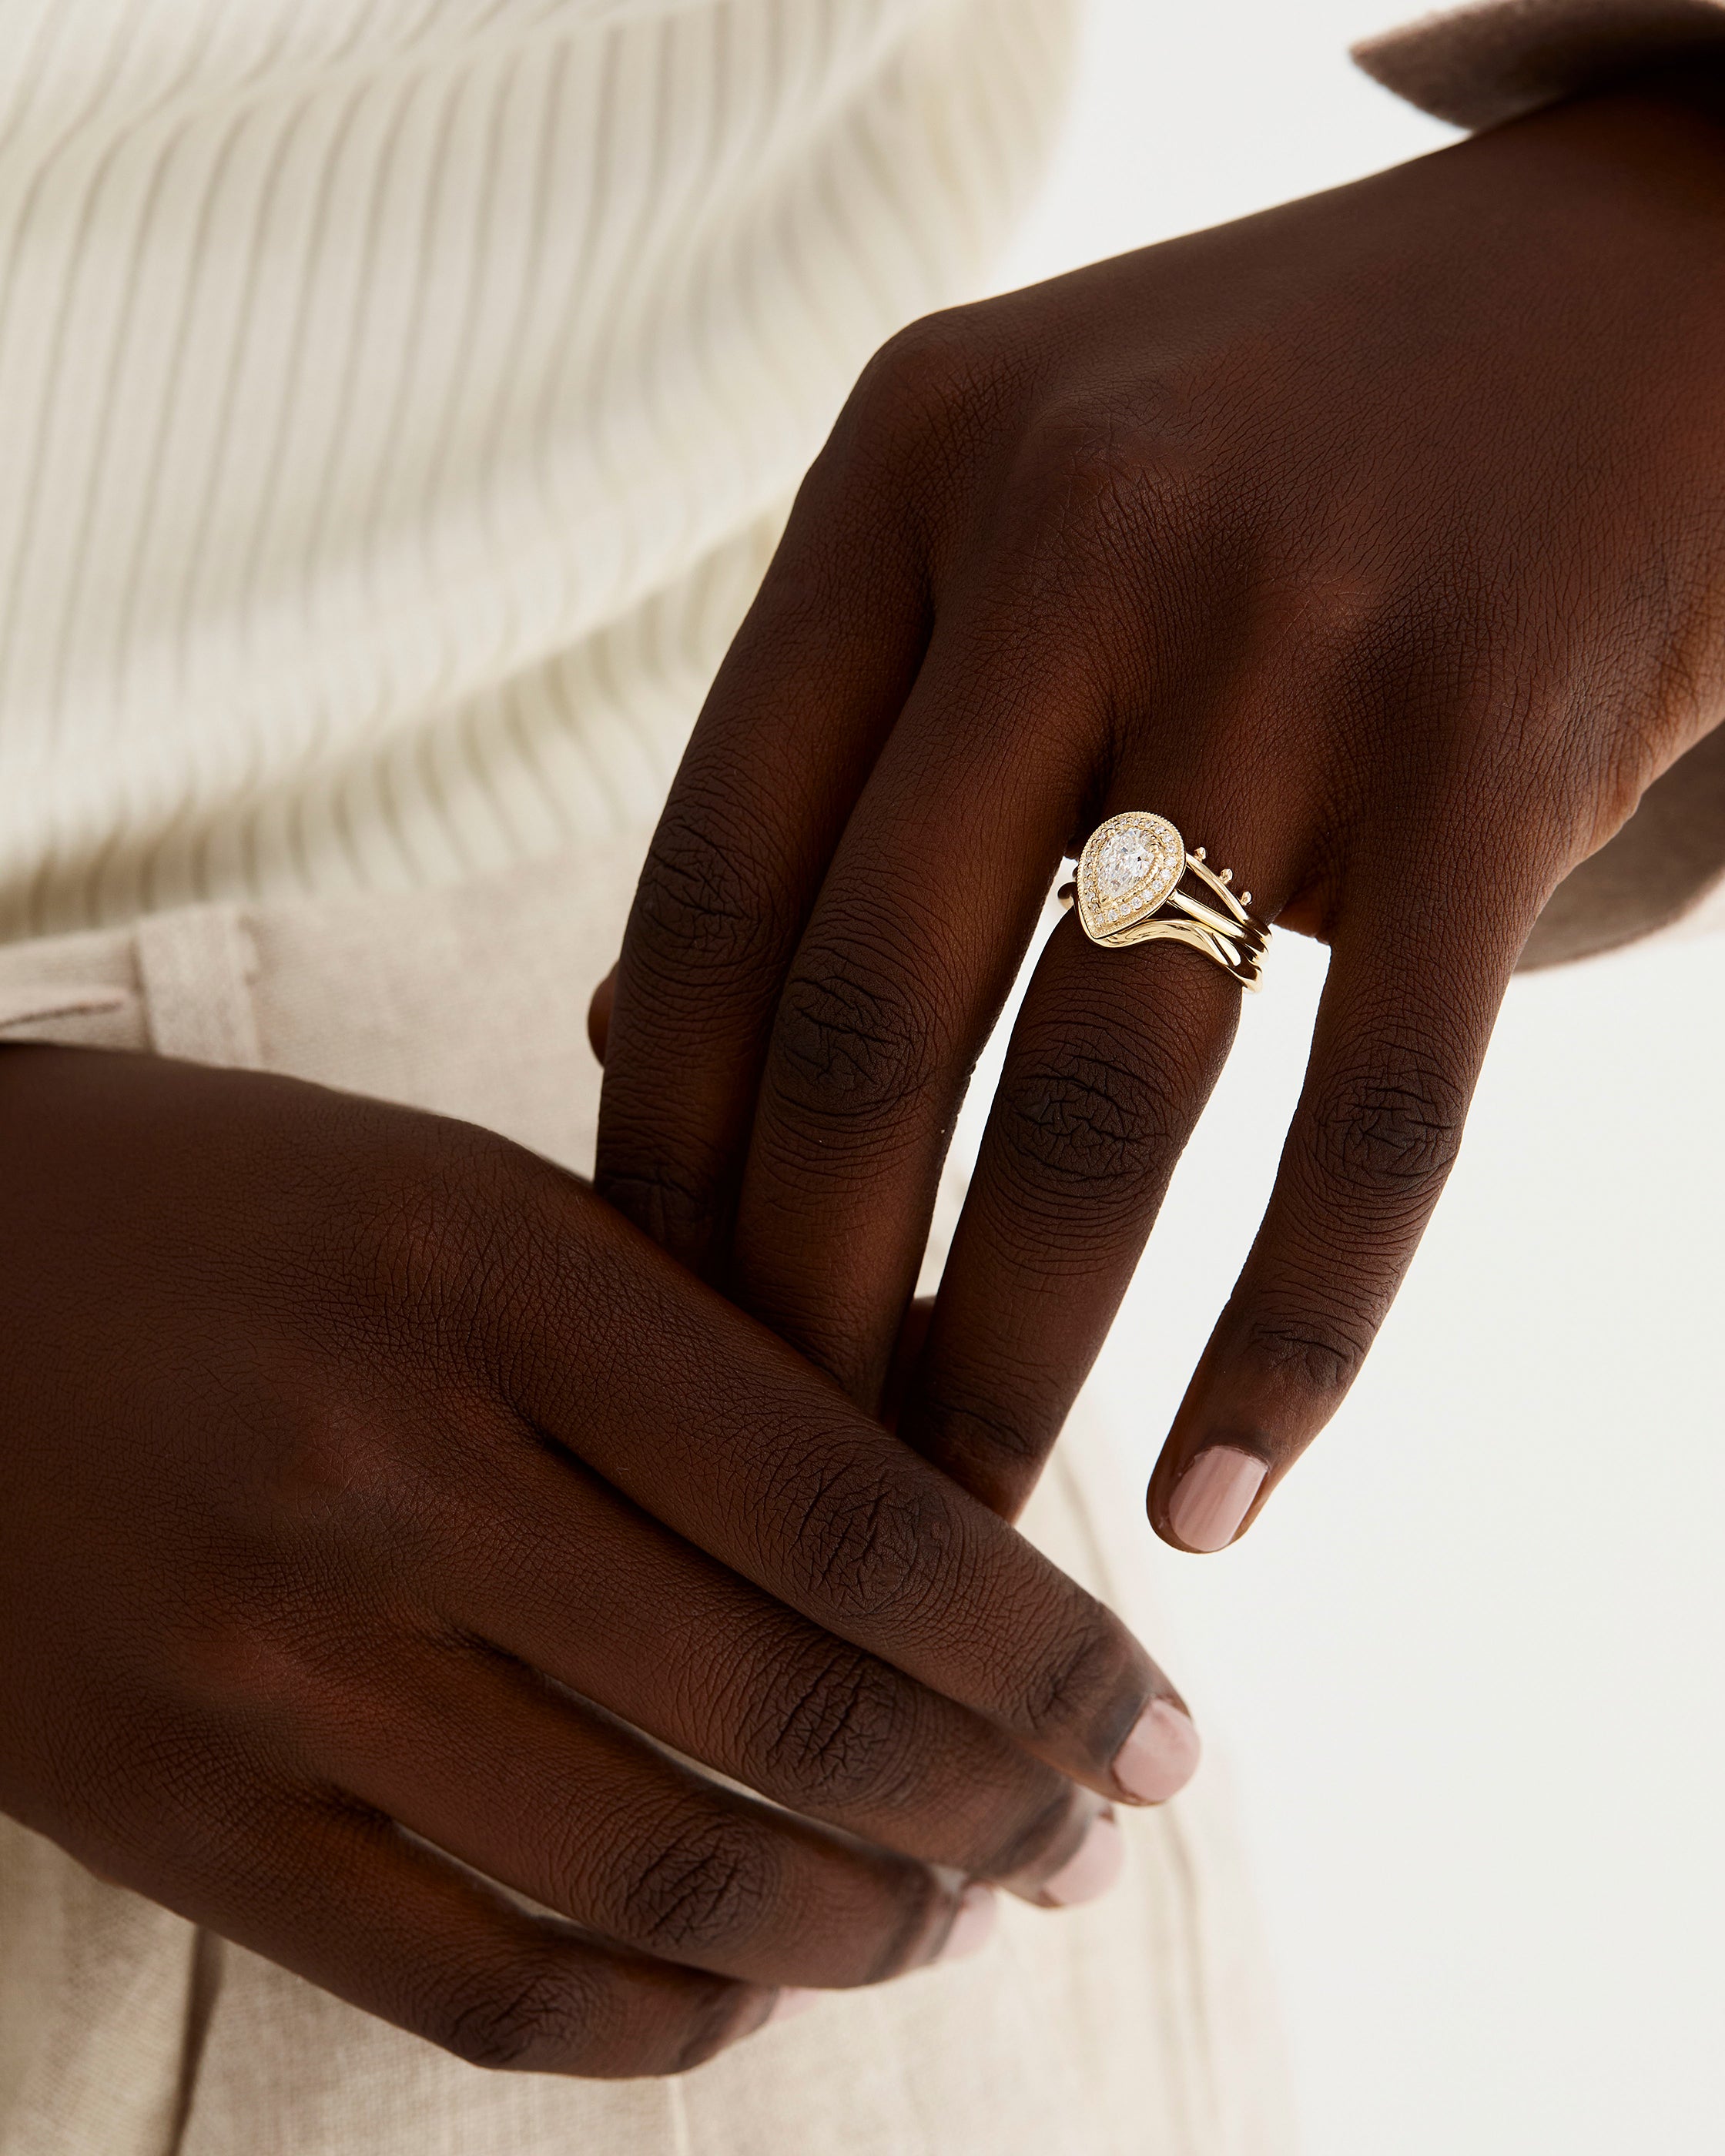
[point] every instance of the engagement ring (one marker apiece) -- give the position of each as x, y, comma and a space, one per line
1137, 884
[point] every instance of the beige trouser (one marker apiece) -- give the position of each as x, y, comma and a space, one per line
1132, 2028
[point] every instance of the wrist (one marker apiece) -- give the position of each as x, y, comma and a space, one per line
1649, 146
1690, 92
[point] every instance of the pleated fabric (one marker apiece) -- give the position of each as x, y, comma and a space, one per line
399, 399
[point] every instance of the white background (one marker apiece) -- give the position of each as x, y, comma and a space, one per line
1468, 1665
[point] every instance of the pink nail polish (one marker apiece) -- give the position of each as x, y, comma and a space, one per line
1160, 1755
792, 2000
1213, 1496
1091, 1869
971, 1926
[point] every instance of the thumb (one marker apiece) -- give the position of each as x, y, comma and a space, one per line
599, 1013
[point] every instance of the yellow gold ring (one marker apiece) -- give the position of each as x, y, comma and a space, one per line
1137, 884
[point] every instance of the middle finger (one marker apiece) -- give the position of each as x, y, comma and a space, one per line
1112, 1059
921, 922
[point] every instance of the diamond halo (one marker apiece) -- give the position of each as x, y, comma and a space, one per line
1129, 866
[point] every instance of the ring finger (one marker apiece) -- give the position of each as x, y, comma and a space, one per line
1110, 1063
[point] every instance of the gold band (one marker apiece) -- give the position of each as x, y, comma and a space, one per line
1130, 888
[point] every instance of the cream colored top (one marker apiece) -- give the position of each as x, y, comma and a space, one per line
398, 398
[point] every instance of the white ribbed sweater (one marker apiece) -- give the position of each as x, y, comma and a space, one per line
398, 398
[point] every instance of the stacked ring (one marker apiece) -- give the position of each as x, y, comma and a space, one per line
1135, 884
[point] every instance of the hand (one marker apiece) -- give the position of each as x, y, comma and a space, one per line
1380, 543
364, 1479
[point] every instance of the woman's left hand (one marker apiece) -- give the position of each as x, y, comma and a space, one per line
1378, 542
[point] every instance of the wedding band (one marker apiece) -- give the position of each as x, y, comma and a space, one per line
1137, 884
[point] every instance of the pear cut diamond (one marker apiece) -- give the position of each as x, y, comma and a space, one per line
1123, 861
1128, 867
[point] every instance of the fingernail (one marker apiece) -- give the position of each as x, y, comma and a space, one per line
971, 1926
1213, 1496
1091, 1869
790, 2001
1160, 1756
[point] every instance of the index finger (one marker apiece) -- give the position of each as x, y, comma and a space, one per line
809, 690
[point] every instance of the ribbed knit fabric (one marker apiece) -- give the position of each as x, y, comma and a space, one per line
399, 399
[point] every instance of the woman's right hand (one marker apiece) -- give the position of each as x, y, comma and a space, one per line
366, 1486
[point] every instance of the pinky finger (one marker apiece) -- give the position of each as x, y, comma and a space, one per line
341, 1897
1401, 1032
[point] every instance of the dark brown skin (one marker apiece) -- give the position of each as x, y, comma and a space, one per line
362, 1472
363, 1477
1379, 542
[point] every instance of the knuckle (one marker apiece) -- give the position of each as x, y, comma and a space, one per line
938, 375
870, 1544
358, 1500
1078, 1681
540, 2013
838, 1728
974, 1424
1319, 1351
1388, 1135
674, 1209
333, 1464
243, 1651
991, 1430
1115, 531
1082, 1133
715, 2023
1032, 1833
703, 906
706, 1880
850, 1050
429, 1236
162, 1795
1087, 472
